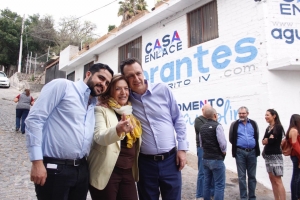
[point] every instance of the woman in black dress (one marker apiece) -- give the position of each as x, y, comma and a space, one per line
273, 153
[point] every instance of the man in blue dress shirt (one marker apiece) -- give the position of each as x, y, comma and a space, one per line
160, 162
243, 135
59, 133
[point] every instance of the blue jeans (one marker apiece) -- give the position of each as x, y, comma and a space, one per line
200, 179
246, 162
21, 113
295, 182
159, 177
214, 169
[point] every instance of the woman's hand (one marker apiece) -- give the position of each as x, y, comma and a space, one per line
271, 136
124, 126
265, 141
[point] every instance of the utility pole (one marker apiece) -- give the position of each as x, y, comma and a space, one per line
48, 53
34, 66
21, 45
27, 62
30, 62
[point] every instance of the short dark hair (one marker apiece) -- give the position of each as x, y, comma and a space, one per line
96, 67
104, 97
129, 61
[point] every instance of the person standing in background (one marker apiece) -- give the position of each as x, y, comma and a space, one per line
243, 135
273, 154
293, 137
199, 121
214, 151
24, 101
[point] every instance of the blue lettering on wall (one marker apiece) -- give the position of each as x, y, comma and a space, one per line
289, 9
168, 46
288, 34
221, 52
251, 50
225, 112
244, 48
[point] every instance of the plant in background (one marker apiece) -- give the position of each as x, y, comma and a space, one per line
111, 27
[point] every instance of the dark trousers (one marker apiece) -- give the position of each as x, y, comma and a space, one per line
65, 183
295, 182
121, 186
21, 113
159, 176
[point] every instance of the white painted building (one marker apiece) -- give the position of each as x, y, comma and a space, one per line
229, 53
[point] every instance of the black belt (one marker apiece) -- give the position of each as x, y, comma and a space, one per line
58, 161
161, 156
245, 149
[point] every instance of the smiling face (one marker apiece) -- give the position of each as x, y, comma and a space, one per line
98, 81
270, 118
135, 77
120, 92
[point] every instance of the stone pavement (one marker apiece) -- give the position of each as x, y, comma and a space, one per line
15, 165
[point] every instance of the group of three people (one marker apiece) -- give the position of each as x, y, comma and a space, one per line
124, 142
244, 137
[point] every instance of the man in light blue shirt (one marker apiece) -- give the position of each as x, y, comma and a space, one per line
59, 133
160, 163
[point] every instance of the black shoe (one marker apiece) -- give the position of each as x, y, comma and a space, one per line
23, 132
17, 129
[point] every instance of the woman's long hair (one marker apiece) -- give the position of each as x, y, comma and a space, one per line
104, 97
294, 123
277, 119
274, 112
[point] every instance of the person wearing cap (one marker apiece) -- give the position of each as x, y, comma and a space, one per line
24, 101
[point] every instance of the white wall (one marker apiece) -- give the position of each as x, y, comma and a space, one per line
110, 58
233, 86
244, 33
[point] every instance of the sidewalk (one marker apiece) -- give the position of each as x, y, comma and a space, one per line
15, 166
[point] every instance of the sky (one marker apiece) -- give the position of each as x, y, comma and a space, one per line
103, 17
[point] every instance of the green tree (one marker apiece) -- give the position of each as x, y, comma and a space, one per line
73, 32
10, 32
126, 9
130, 8
111, 27
141, 5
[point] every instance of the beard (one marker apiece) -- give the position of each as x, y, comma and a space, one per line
92, 86
243, 118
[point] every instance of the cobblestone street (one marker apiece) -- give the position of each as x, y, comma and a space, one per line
15, 165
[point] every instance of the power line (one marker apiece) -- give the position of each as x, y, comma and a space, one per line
80, 16
92, 11
42, 38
